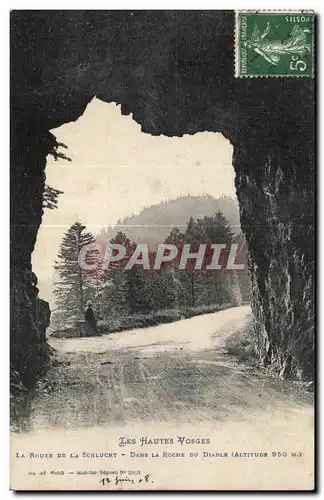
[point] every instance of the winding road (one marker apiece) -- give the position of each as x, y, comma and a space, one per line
177, 372
164, 382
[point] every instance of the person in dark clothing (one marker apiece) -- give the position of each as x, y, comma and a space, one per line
91, 319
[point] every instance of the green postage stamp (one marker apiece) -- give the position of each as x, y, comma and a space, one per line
277, 43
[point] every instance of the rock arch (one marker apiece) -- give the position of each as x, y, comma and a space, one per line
174, 71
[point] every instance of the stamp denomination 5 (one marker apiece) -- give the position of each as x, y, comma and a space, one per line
274, 44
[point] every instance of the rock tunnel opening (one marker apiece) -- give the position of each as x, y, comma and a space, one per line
115, 179
171, 88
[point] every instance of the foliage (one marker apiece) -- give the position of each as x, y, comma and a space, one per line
153, 224
50, 194
145, 295
58, 155
141, 291
50, 197
241, 344
120, 323
74, 285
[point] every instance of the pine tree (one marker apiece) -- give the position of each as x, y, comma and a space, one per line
75, 285
178, 279
50, 197
157, 289
193, 237
208, 286
217, 229
176, 237
117, 283
221, 227
214, 228
58, 155
50, 194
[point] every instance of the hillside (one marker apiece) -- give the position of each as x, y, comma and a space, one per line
153, 224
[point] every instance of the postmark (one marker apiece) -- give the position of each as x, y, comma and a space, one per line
274, 44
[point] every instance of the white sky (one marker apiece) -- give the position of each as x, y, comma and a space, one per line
116, 170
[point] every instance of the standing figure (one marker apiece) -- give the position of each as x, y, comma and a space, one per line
91, 319
272, 50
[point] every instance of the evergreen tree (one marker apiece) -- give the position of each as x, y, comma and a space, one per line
121, 289
221, 227
50, 197
217, 229
58, 155
176, 237
208, 286
158, 289
214, 228
75, 285
114, 291
193, 237
178, 279
50, 194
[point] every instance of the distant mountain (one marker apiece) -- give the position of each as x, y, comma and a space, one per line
153, 224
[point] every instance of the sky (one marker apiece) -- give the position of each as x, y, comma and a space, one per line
117, 170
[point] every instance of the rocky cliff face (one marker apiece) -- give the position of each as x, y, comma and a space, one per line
28, 345
175, 72
276, 216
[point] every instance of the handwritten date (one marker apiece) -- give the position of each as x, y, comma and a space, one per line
105, 481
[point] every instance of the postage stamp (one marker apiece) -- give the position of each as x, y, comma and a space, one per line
274, 44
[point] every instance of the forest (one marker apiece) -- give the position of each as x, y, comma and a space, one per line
130, 298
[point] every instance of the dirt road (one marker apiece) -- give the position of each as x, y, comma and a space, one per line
164, 382
175, 372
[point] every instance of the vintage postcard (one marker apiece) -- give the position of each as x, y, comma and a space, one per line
162, 250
